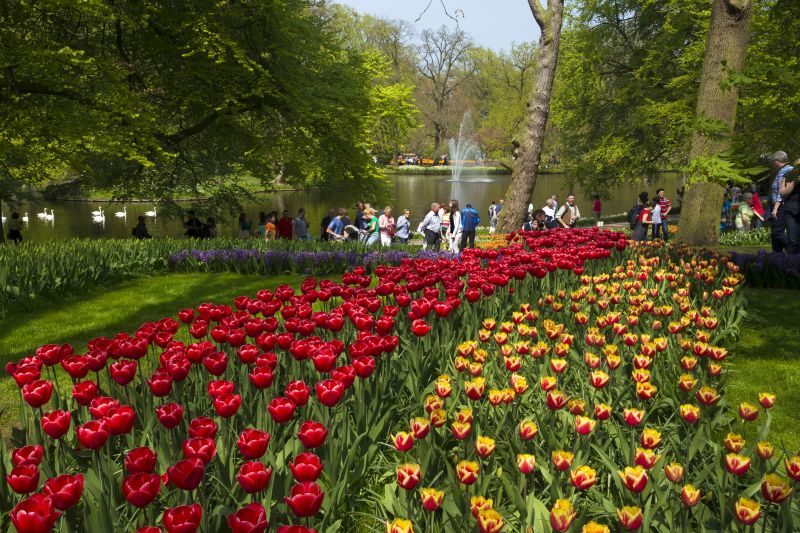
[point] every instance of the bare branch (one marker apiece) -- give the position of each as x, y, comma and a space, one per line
424, 11
538, 13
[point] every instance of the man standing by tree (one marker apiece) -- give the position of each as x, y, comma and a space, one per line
666, 207
780, 161
568, 214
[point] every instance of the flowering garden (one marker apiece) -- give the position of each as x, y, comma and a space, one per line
565, 382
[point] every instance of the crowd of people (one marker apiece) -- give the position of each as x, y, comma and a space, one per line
784, 205
650, 217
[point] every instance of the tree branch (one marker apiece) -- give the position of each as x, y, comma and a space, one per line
539, 13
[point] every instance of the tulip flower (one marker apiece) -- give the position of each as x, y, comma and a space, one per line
305, 499
633, 417
464, 415
202, 427
140, 460
249, 519
690, 413
281, 409
186, 474
36, 514
169, 415
766, 399
583, 477
634, 478
548, 383
403, 441
562, 460
707, 396
227, 405
65, 490
602, 411
747, 511
253, 476
420, 328
646, 458
399, 525
775, 489
252, 443
485, 446
556, 400
475, 388
478, 504
312, 434
56, 423
438, 418
748, 412
298, 392
490, 521
674, 472
733, 442
584, 425
141, 488
562, 515
526, 463
27, 455
420, 427
467, 472
431, 498
93, 434
23, 478
737, 464
690, 496
306, 467
37, 393
599, 379
202, 447
630, 517
792, 465
408, 475
183, 519
594, 527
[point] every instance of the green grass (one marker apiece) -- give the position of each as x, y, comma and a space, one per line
767, 361
78, 319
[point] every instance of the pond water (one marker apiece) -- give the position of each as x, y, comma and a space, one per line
74, 219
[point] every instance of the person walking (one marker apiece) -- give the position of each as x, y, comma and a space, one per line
655, 217
335, 228
597, 208
285, 226
431, 227
326, 221
15, 228
270, 229
790, 194
456, 229
549, 214
300, 226
444, 216
403, 232
568, 214
666, 207
780, 162
386, 225
644, 220
359, 221
373, 226
470, 219
758, 209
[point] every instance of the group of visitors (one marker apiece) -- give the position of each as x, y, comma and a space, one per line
784, 209
367, 227
271, 228
650, 216
451, 225
742, 211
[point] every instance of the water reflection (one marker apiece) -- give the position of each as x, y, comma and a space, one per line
416, 193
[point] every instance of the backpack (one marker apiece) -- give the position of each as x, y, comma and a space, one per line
633, 215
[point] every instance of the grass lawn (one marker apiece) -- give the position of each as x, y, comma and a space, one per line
124, 307
767, 360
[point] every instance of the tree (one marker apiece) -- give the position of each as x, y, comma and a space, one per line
717, 100
527, 165
445, 64
173, 99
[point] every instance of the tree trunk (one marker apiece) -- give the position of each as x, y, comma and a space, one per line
526, 168
437, 141
725, 53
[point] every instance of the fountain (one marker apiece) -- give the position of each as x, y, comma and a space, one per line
461, 148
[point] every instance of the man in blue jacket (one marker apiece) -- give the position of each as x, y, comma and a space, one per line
469, 222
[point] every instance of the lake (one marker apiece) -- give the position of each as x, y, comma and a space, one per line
74, 219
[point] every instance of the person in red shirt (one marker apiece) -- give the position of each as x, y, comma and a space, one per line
285, 227
758, 208
597, 208
666, 207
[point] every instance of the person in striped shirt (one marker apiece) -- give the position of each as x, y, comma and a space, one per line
662, 229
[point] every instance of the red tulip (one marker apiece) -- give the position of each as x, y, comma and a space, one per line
420, 328
216, 363
253, 476
149, 529
261, 377
65, 490
312, 434
186, 474
249, 519
281, 409
123, 372
23, 478
36, 514
217, 388
306, 467
84, 392
140, 460
77, 366
169, 415
202, 427
121, 419
37, 393
56, 423
27, 455
296, 529
329, 392
227, 405
202, 447
160, 383
298, 392
253, 443
305, 499
141, 488
183, 519
101, 405
93, 434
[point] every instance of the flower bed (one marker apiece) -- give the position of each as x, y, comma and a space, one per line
769, 269
277, 410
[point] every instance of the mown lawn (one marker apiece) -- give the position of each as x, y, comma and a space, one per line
767, 359
78, 319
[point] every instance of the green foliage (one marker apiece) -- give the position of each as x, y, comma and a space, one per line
169, 99
745, 238
714, 169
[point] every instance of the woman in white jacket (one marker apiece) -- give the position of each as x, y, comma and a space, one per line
455, 228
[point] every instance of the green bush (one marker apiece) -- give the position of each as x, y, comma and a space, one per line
745, 238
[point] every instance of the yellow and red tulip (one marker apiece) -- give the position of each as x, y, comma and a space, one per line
431, 498
599, 379
490, 521
766, 399
548, 383
485, 446
438, 418
645, 391
467, 472
748, 412
646, 458
690, 496
764, 450
634, 478
562, 515
737, 464
674, 472
707, 395
460, 430
633, 416
562, 459
464, 415
478, 504
420, 427
475, 388
399, 525
690, 413
526, 463
403, 441
630, 517
584, 425
733, 442
775, 489
528, 430
792, 465
408, 475
594, 527
583, 477
602, 411
650, 438
687, 382
556, 400
747, 511
519, 383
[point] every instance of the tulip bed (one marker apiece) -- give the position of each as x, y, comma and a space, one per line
290, 410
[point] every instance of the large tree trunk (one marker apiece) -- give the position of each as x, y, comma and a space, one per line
526, 168
437, 143
725, 53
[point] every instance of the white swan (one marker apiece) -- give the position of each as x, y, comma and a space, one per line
25, 217
152, 213
3, 217
123, 213
43, 214
50, 217
99, 219
98, 213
